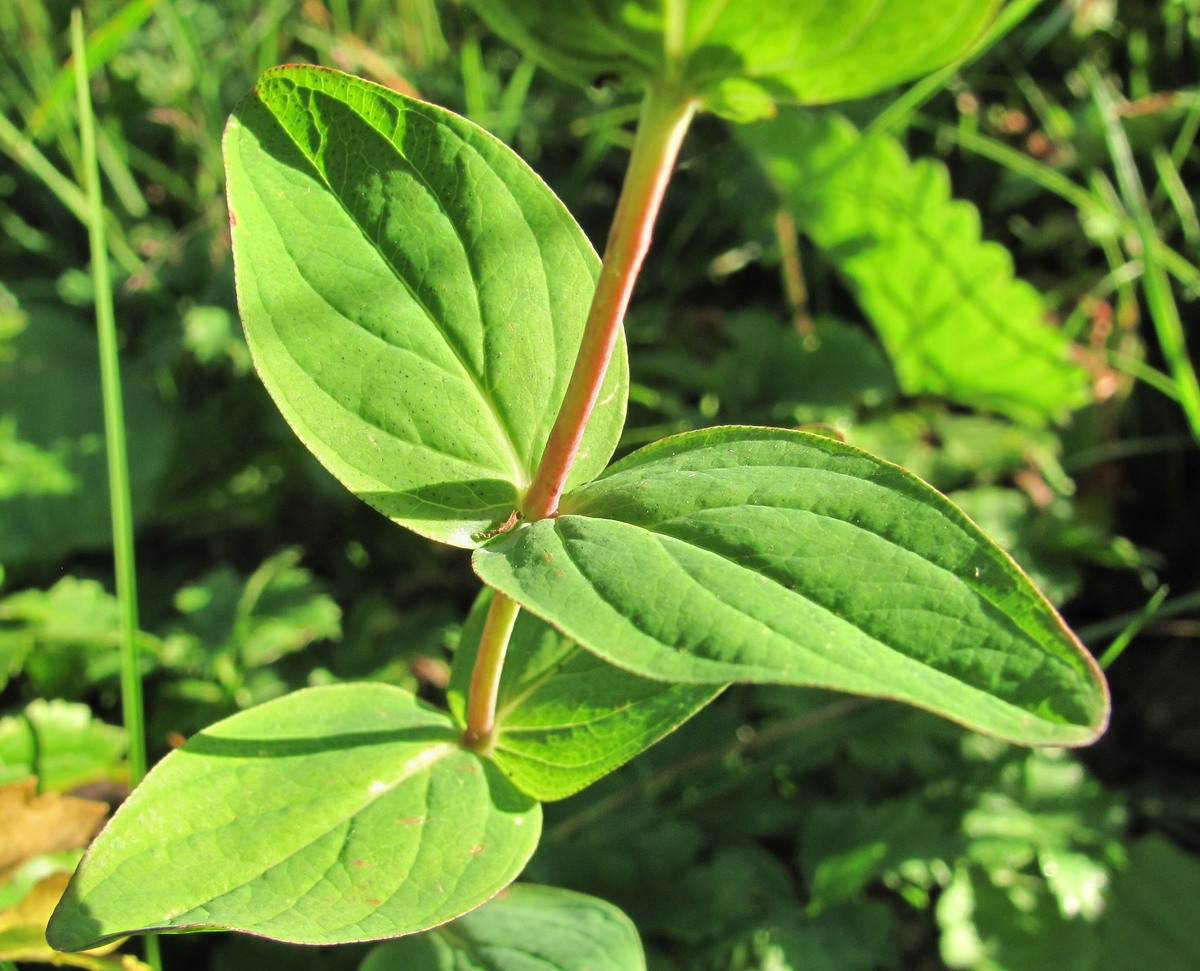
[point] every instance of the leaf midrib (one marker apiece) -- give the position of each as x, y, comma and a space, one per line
883, 689
657, 527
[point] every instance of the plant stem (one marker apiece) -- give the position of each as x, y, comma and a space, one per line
485, 678
666, 114
120, 500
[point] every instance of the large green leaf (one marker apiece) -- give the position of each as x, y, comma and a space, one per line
953, 318
739, 57
335, 814
527, 928
565, 717
413, 296
765, 555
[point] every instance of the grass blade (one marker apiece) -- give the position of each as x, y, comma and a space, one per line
1122, 640
1160, 301
114, 430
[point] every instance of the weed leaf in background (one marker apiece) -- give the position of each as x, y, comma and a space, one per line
742, 57
413, 296
565, 717
527, 927
766, 555
950, 313
62, 744
335, 814
53, 477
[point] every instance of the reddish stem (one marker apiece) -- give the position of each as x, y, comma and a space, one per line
666, 114
665, 117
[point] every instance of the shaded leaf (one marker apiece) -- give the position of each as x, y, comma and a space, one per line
765, 555
950, 313
742, 57
566, 718
276, 610
1150, 921
990, 928
335, 814
524, 928
772, 366
59, 441
849, 844
856, 937
413, 296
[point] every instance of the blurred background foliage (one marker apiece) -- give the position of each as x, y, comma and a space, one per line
781, 829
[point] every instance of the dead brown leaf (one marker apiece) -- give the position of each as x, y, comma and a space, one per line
32, 825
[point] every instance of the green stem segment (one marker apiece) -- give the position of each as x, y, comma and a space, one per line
485, 678
666, 114
114, 430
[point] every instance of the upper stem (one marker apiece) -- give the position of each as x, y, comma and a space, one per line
666, 113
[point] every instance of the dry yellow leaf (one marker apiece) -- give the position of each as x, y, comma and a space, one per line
32, 825
23, 934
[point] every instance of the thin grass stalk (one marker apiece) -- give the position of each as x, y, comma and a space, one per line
120, 499
1123, 640
1087, 202
26, 154
1156, 286
899, 113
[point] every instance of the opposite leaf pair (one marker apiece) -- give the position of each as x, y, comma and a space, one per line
414, 297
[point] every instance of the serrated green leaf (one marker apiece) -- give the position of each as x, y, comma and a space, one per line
766, 555
413, 296
64, 640
847, 844
527, 927
335, 814
742, 57
947, 307
60, 743
275, 611
565, 717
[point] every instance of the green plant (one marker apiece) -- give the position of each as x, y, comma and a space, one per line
437, 330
